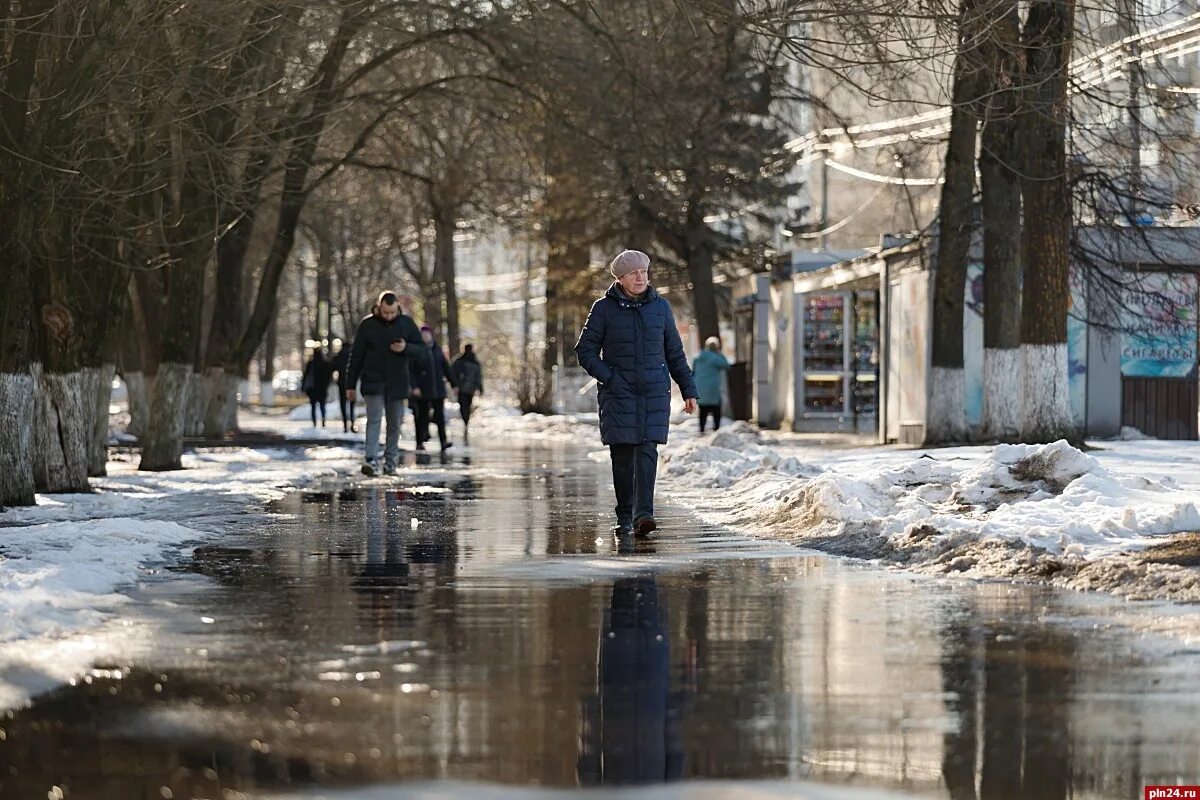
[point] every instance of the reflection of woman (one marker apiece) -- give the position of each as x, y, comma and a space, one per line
631, 731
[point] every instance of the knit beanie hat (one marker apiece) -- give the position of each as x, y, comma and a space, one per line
627, 261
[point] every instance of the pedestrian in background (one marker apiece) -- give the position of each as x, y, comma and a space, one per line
431, 402
709, 367
318, 374
631, 346
468, 377
341, 368
387, 347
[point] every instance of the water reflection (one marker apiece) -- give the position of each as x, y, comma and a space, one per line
630, 730
1010, 688
353, 646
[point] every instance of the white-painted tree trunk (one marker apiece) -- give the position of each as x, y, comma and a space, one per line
221, 415
137, 389
162, 445
1045, 394
62, 430
1002, 381
101, 379
197, 404
17, 392
946, 420
266, 394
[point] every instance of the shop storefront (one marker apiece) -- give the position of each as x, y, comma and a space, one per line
846, 348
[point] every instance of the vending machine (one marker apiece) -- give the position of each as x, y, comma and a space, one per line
839, 361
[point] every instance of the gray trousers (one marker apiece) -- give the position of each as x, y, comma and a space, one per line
377, 405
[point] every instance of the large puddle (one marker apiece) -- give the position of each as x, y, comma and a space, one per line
476, 621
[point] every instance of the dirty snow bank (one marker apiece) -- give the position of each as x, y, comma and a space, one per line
1039, 511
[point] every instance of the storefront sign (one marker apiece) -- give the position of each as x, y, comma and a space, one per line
1159, 339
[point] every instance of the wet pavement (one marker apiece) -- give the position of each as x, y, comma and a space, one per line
474, 620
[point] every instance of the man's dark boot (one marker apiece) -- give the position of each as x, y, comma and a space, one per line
644, 526
622, 529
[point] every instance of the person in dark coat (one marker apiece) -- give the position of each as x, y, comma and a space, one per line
430, 404
386, 347
631, 346
318, 374
341, 367
468, 377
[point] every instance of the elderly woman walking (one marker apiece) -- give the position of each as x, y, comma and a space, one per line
710, 367
631, 346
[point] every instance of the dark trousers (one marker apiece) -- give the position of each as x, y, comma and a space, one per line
464, 406
315, 405
347, 407
431, 409
714, 412
634, 467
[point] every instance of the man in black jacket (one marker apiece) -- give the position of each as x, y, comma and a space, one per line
386, 343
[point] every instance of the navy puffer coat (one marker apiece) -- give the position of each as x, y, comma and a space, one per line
632, 348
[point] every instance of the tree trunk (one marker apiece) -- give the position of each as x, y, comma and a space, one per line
700, 257
1001, 189
162, 446
17, 384
1046, 408
221, 413
100, 391
445, 225
946, 420
197, 405
62, 430
16, 439
297, 163
137, 392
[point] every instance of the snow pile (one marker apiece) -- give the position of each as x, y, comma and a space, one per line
58, 590
729, 456
502, 422
63, 561
1051, 496
1130, 434
53, 576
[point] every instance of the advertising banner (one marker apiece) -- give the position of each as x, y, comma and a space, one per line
1159, 327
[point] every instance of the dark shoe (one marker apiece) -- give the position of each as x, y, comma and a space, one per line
369, 468
446, 446
389, 469
644, 526
622, 530
420, 445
